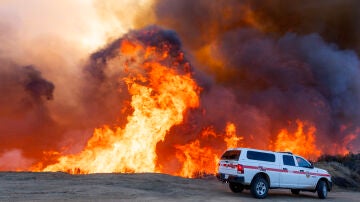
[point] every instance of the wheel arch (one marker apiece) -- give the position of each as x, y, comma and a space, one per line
326, 181
263, 175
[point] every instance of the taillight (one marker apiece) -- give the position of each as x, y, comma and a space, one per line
240, 169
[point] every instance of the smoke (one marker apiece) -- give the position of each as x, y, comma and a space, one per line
272, 62
37, 86
39, 57
45, 103
25, 115
261, 65
335, 20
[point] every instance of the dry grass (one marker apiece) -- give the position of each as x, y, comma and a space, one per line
345, 170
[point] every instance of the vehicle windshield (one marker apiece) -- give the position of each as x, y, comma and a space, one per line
302, 162
231, 155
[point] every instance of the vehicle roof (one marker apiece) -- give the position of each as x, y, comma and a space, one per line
244, 148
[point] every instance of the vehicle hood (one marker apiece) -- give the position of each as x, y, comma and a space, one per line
319, 170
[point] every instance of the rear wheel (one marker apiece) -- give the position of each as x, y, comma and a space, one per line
236, 188
259, 188
322, 189
295, 191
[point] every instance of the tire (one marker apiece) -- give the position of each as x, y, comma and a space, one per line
236, 188
259, 188
295, 191
322, 189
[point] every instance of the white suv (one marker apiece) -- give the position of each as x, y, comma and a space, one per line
260, 170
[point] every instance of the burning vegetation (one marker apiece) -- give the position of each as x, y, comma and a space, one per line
171, 99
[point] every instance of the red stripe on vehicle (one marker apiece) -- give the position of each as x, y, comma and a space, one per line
251, 167
277, 170
264, 168
320, 174
284, 171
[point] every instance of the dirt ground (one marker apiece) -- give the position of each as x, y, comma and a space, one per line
22, 186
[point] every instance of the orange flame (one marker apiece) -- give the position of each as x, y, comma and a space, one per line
344, 147
196, 160
157, 106
231, 138
160, 95
302, 142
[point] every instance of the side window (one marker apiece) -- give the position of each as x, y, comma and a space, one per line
302, 162
260, 156
288, 160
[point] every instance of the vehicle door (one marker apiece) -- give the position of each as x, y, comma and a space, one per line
307, 177
261, 161
289, 177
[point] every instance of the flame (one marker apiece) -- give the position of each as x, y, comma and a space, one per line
160, 96
162, 89
302, 142
231, 138
129, 48
345, 146
346, 142
196, 160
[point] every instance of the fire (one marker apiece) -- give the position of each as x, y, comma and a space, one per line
346, 141
129, 48
345, 146
231, 138
159, 97
301, 142
161, 89
196, 160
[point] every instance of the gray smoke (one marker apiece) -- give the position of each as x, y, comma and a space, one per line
294, 62
24, 116
261, 65
35, 85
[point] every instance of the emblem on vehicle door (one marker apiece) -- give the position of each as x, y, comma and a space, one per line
262, 168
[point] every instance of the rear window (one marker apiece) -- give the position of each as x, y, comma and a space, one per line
231, 155
260, 156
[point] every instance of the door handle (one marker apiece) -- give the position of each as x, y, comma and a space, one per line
302, 171
285, 169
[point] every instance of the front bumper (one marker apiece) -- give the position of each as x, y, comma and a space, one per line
230, 178
330, 185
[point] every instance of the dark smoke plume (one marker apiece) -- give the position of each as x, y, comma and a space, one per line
335, 20
24, 115
272, 62
199, 22
37, 86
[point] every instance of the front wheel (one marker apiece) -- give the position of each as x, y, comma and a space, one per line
259, 188
322, 189
236, 188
